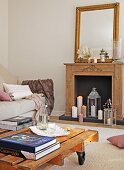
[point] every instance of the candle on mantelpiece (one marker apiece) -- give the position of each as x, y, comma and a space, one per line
74, 111
79, 104
83, 110
95, 60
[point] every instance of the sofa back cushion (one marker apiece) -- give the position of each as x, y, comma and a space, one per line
17, 91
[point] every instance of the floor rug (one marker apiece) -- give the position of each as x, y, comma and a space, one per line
99, 155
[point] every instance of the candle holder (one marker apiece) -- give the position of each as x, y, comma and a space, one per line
109, 116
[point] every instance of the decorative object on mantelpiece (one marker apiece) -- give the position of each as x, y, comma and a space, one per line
117, 50
106, 55
93, 103
84, 53
102, 55
109, 113
94, 60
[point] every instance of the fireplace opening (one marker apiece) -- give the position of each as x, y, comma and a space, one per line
84, 85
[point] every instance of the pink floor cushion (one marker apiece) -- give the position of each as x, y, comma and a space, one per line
117, 141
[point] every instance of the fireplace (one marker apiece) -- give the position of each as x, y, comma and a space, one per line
84, 85
105, 77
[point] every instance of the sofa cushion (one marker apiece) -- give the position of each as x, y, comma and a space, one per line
4, 96
17, 91
15, 108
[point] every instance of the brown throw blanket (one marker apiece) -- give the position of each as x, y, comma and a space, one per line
43, 86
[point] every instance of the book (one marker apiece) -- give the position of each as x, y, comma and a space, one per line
42, 152
29, 155
27, 142
18, 120
16, 127
12, 152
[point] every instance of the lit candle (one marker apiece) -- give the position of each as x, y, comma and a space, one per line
83, 110
79, 104
100, 115
74, 111
93, 111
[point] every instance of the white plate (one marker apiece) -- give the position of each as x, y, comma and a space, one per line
53, 130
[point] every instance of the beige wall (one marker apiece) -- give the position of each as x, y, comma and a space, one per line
41, 39
4, 32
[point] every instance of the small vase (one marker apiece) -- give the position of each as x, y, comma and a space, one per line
117, 50
43, 119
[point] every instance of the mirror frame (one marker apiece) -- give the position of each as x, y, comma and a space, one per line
79, 10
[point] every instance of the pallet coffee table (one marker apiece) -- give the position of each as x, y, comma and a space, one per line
74, 142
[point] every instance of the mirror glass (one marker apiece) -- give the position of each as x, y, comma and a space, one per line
97, 26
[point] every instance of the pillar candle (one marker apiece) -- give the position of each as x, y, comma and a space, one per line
93, 111
74, 111
95, 60
109, 122
83, 110
80, 117
79, 104
100, 115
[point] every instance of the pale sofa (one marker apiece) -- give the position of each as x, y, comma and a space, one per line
13, 108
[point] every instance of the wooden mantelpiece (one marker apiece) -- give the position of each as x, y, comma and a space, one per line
90, 69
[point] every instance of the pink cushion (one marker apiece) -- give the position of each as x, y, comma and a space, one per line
4, 96
117, 141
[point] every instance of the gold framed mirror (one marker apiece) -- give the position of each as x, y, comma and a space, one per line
103, 19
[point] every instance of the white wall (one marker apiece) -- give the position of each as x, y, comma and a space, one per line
4, 32
41, 39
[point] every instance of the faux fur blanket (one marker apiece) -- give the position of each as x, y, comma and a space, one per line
43, 86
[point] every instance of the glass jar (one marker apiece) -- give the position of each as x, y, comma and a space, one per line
93, 103
43, 119
117, 50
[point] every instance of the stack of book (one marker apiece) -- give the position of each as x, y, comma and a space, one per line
16, 123
31, 146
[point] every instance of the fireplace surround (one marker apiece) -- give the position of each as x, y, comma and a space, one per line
82, 77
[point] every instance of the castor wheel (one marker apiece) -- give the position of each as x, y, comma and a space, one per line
81, 157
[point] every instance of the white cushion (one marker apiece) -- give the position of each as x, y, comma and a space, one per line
17, 91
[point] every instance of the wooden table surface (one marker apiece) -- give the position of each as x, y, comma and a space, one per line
74, 142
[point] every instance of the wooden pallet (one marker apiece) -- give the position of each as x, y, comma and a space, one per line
74, 142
